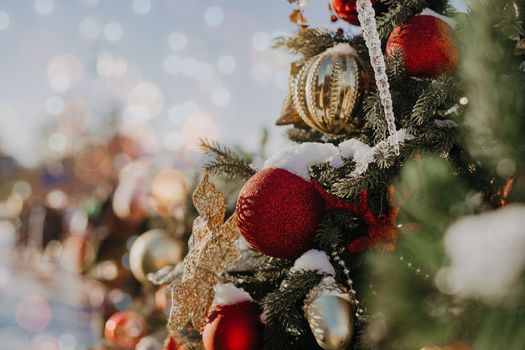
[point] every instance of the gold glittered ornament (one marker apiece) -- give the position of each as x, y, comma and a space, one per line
329, 312
152, 251
212, 247
325, 91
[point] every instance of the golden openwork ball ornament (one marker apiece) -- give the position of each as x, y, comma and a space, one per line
325, 92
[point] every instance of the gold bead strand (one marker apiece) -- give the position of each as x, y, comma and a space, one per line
359, 309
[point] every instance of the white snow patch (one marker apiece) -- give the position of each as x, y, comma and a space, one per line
428, 12
341, 49
314, 260
298, 159
363, 155
486, 253
360, 152
228, 294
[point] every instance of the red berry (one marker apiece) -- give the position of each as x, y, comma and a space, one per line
347, 9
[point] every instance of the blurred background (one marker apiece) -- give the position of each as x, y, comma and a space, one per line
102, 104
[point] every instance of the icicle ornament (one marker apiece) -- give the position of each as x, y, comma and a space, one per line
366, 15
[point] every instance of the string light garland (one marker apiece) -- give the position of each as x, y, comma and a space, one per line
366, 15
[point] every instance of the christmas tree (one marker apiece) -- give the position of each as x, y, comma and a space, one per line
395, 221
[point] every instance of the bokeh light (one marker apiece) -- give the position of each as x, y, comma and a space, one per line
57, 199
67, 341
44, 7
144, 101
213, 16
226, 64
113, 31
64, 72
177, 41
142, 7
22, 188
172, 64
33, 313
55, 105
4, 21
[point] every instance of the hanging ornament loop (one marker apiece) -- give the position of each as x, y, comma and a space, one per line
366, 15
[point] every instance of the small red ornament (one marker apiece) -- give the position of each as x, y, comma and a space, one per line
234, 327
347, 9
278, 213
427, 46
125, 329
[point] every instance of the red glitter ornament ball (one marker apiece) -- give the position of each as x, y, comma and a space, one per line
234, 327
427, 46
278, 213
347, 9
125, 329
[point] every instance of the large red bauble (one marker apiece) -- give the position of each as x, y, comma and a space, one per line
125, 329
427, 46
234, 327
347, 10
278, 213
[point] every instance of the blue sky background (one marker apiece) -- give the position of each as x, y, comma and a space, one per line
65, 64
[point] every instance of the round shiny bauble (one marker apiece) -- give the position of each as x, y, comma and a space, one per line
329, 312
152, 251
234, 327
427, 45
327, 90
347, 9
278, 213
125, 329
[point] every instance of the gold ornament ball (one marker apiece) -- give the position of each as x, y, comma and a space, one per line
152, 251
327, 89
329, 312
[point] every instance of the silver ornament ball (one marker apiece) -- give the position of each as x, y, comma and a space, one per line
329, 311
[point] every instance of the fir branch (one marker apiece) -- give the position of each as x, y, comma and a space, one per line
397, 15
395, 68
330, 232
225, 162
430, 100
375, 116
309, 42
286, 322
261, 279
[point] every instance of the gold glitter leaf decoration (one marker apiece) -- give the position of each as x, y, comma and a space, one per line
212, 247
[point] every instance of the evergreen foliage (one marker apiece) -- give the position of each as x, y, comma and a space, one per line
465, 142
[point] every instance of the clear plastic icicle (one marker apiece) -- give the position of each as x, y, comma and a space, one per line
366, 15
